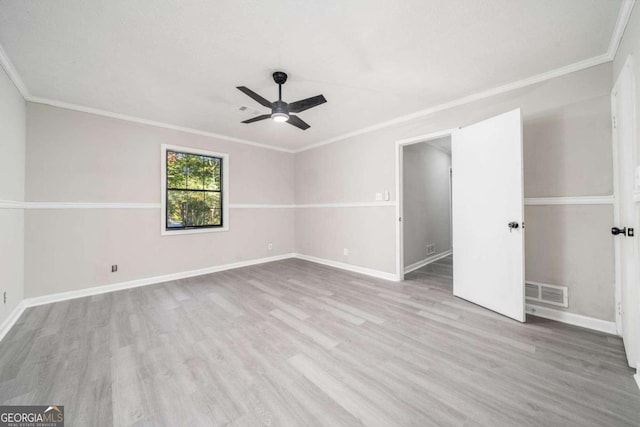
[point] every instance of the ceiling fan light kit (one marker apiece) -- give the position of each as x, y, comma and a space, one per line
280, 110
280, 117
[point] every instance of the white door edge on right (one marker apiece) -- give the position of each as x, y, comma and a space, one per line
627, 264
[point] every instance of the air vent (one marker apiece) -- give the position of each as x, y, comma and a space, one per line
548, 294
531, 291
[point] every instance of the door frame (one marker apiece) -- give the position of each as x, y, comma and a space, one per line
399, 145
628, 65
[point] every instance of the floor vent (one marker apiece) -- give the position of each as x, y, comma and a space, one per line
548, 294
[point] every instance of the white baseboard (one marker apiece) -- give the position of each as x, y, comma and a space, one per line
63, 296
637, 378
548, 313
573, 319
12, 318
349, 267
47, 299
97, 290
427, 261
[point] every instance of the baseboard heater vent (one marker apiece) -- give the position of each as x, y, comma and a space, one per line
548, 294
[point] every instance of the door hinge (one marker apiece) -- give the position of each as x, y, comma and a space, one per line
613, 121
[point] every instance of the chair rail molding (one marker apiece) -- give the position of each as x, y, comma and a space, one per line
569, 200
13, 204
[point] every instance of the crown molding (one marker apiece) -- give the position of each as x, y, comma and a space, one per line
618, 31
128, 118
624, 14
559, 72
621, 24
11, 71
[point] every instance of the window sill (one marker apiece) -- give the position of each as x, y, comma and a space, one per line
193, 231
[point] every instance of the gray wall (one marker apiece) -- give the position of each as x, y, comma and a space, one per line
12, 164
567, 149
80, 157
426, 212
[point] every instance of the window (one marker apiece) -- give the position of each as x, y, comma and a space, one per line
193, 191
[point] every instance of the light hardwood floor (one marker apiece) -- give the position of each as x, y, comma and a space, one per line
293, 343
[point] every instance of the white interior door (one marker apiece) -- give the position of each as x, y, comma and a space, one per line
488, 255
627, 265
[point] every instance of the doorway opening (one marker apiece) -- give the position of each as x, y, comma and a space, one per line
438, 142
427, 225
486, 210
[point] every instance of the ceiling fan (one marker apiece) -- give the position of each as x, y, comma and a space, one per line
280, 110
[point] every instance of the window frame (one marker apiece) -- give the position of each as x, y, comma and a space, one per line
224, 190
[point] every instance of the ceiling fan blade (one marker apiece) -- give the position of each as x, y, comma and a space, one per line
305, 104
258, 118
298, 122
260, 100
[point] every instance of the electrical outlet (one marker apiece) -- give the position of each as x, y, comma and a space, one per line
114, 268
270, 246
431, 249
345, 251
378, 197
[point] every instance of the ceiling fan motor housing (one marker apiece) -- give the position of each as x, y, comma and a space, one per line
280, 107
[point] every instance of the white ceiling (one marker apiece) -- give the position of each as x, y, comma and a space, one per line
179, 61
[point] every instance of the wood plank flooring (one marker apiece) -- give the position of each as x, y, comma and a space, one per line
292, 343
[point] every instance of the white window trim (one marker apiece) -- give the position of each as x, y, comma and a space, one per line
163, 190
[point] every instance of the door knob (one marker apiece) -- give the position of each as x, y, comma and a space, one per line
629, 232
513, 225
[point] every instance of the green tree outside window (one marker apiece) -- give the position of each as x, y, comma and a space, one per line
194, 191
